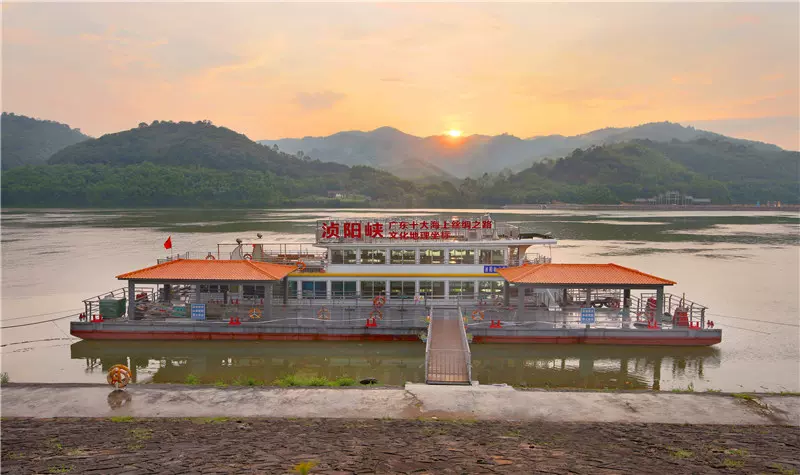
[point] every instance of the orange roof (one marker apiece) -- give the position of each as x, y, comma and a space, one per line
216, 271
579, 274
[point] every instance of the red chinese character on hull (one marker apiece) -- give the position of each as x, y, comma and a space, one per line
330, 230
352, 230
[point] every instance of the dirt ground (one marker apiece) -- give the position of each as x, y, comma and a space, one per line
220, 445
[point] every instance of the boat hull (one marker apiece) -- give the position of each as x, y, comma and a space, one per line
254, 332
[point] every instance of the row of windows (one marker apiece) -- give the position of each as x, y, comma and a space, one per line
369, 289
426, 256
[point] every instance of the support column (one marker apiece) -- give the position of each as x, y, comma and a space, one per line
286, 290
267, 301
626, 305
520, 297
131, 301
588, 298
446, 290
167, 292
506, 294
659, 304
327, 289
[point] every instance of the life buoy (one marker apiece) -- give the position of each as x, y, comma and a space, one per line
210, 258
248, 257
376, 314
379, 301
119, 376
477, 315
255, 314
301, 266
614, 304
324, 313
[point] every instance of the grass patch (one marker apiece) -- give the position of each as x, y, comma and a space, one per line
55, 444
292, 380
210, 420
304, 467
4, 378
730, 463
122, 419
745, 397
789, 393
513, 433
689, 389
681, 453
220, 384
76, 452
782, 469
60, 469
192, 379
713, 390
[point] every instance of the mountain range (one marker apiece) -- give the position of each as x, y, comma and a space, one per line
446, 157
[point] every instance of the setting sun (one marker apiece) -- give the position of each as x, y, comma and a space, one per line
454, 133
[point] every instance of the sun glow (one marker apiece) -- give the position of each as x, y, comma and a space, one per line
454, 133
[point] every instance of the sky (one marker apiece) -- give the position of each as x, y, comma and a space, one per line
275, 70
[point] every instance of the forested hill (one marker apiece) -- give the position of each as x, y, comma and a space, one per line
29, 141
198, 164
188, 144
723, 171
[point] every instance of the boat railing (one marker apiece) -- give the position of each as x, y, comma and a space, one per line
92, 304
465, 343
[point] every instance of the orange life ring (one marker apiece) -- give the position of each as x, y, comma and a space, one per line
379, 301
477, 315
324, 313
301, 266
376, 314
210, 258
255, 314
248, 257
119, 376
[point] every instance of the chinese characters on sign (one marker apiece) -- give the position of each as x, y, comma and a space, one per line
414, 230
198, 311
587, 315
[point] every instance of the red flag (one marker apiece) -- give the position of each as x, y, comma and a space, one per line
168, 243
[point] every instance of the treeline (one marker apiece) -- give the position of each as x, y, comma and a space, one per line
197, 164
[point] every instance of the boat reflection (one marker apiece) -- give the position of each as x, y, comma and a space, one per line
395, 363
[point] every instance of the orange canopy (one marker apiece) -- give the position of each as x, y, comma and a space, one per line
580, 274
215, 271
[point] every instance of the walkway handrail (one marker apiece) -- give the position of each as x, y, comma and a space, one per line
465, 342
428, 345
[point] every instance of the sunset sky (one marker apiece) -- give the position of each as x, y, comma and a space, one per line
291, 70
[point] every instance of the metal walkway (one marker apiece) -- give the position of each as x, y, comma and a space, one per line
447, 355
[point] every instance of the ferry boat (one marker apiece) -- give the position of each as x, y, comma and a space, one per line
449, 282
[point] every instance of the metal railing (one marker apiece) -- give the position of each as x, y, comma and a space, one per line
447, 355
465, 343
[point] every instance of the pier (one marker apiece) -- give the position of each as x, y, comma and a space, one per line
447, 354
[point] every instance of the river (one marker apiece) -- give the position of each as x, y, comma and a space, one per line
743, 265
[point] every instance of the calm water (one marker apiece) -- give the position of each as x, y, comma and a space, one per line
740, 264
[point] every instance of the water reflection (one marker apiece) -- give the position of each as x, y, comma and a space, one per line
550, 366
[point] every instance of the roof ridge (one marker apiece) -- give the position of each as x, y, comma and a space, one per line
162, 264
640, 272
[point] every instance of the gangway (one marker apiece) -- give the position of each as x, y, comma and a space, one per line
447, 355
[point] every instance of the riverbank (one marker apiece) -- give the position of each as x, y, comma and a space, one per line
337, 446
476, 402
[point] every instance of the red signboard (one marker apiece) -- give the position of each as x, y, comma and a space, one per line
402, 230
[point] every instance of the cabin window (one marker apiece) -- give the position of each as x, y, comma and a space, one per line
277, 289
431, 256
402, 256
343, 256
465, 289
373, 256
429, 288
462, 256
214, 288
252, 292
370, 289
489, 289
400, 289
492, 256
315, 289
346, 289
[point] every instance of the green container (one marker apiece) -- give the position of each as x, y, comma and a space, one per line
112, 308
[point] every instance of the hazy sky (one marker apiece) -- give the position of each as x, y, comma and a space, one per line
288, 70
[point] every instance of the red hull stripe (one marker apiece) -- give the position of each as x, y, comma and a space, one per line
112, 335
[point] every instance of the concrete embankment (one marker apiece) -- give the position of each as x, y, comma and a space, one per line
413, 401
